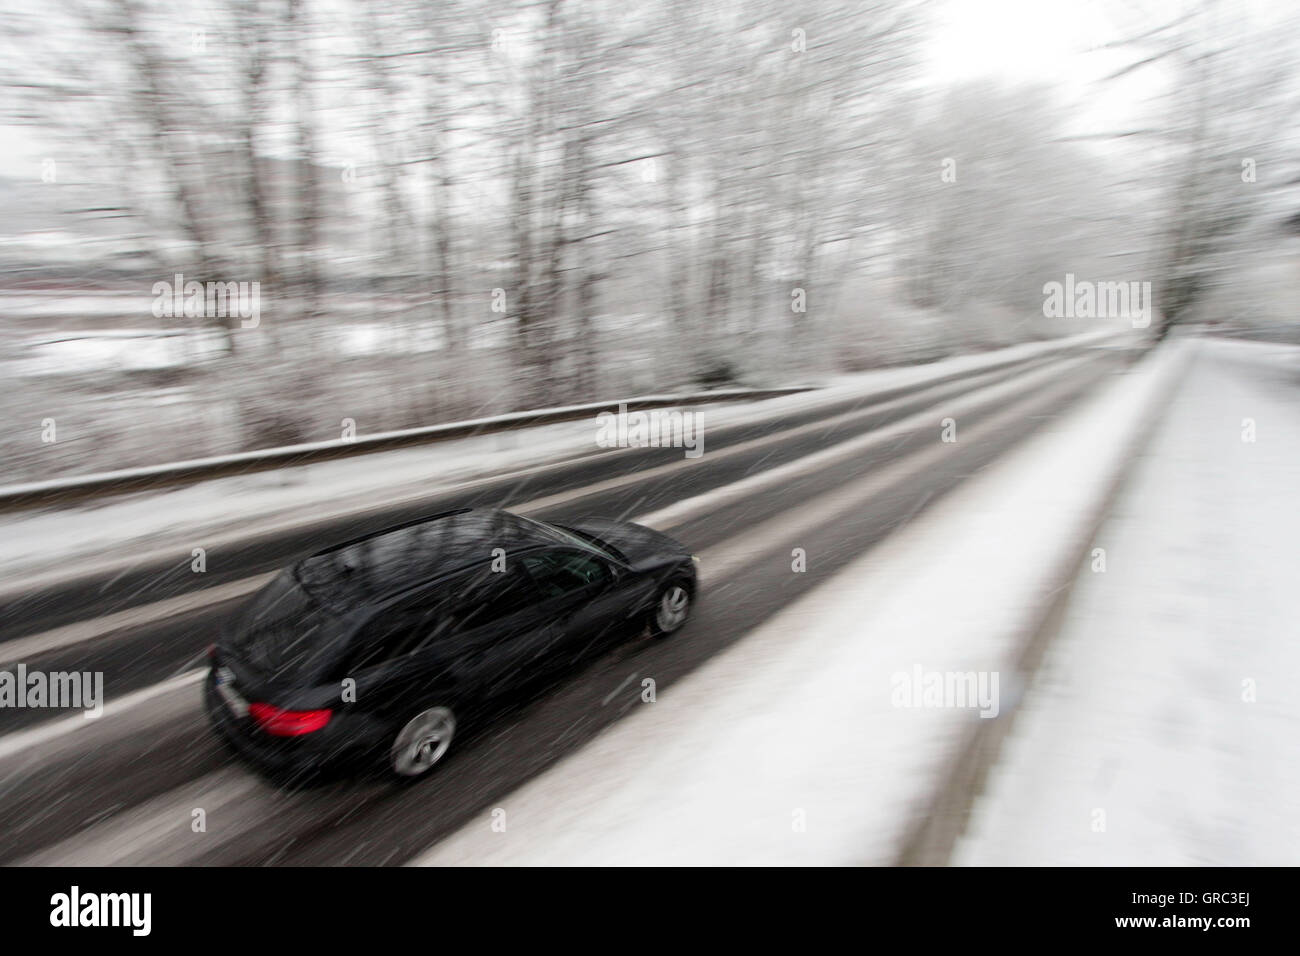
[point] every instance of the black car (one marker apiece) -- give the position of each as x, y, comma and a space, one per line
379, 647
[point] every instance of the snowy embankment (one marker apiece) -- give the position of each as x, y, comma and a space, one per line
49, 544
791, 747
1161, 730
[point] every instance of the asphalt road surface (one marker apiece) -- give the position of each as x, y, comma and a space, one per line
835, 480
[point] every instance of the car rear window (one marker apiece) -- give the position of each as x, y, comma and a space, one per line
285, 633
373, 569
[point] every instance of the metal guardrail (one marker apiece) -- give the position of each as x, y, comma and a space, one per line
81, 488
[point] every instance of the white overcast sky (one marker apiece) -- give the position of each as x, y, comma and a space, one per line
1054, 42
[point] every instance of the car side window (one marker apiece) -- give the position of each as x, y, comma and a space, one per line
492, 595
557, 573
405, 626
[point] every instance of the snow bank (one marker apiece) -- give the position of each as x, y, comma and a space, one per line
1161, 730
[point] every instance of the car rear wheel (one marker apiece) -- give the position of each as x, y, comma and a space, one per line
671, 609
423, 742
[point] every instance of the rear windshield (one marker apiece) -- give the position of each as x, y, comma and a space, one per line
285, 633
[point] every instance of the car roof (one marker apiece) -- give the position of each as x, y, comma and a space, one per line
369, 569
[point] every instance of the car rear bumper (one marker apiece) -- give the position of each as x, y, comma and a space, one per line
336, 742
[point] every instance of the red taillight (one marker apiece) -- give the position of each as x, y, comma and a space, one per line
288, 723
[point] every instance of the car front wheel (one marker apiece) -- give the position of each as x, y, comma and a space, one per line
671, 609
422, 742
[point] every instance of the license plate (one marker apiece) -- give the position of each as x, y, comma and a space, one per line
226, 688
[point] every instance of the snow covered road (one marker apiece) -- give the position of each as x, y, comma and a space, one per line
1162, 727
833, 482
